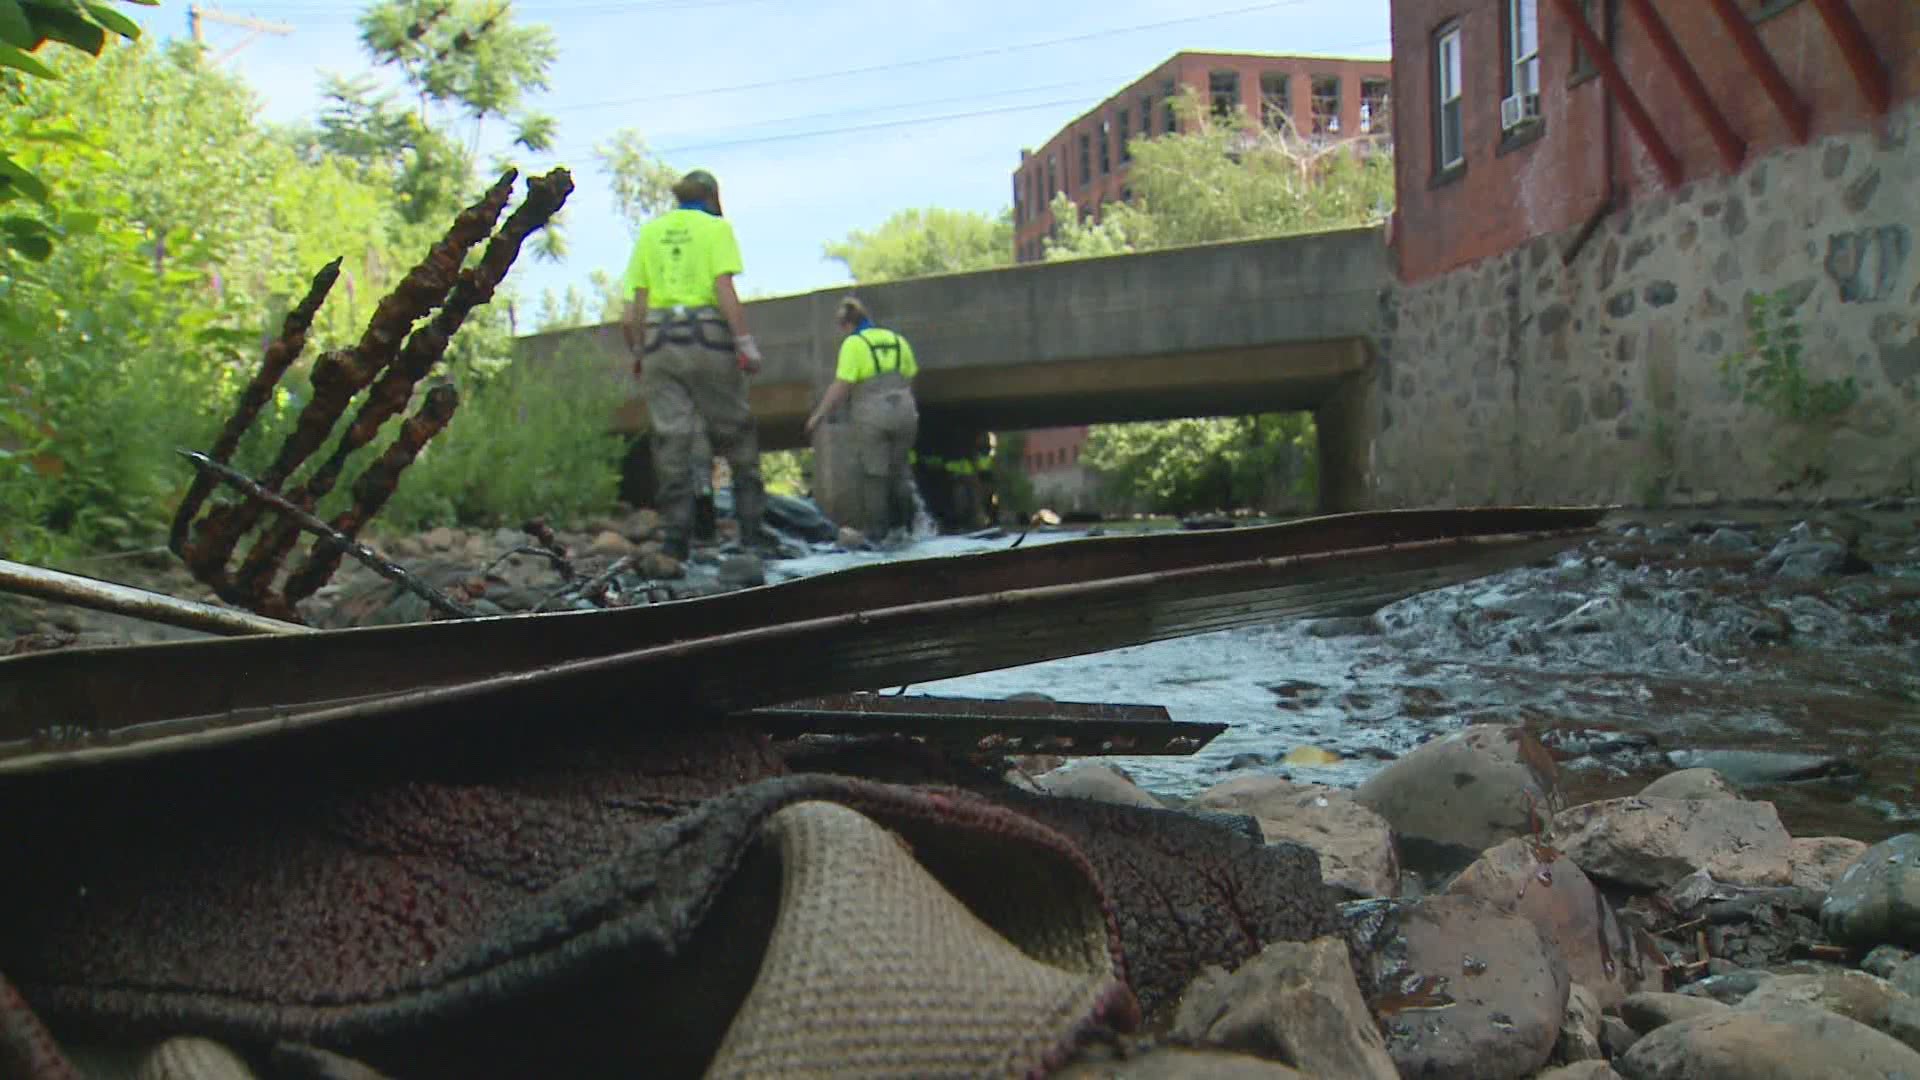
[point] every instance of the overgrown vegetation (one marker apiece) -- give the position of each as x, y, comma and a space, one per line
1213, 463
1771, 374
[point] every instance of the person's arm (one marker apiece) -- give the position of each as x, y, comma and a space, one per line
829, 401
633, 326
735, 313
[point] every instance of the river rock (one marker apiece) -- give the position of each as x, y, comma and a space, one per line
611, 544
1877, 899
1885, 960
1616, 1037
1463, 989
1748, 768
742, 572
1355, 844
1174, 1063
1099, 782
1580, 1031
1650, 843
1855, 995
1818, 861
1781, 1042
1296, 1002
1650, 1010
1460, 794
1524, 878
1906, 978
1583, 1070
1728, 988
1691, 784
801, 517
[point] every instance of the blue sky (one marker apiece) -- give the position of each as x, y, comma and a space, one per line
750, 90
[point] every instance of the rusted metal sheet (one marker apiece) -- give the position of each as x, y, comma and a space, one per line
136, 603
989, 726
873, 626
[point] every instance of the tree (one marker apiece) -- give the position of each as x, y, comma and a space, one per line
1225, 180
642, 184
917, 243
1207, 463
600, 303
25, 25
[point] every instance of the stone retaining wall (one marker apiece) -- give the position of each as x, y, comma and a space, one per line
1521, 379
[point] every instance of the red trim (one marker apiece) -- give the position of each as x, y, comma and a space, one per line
1845, 27
1732, 147
1617, 85
1754, 51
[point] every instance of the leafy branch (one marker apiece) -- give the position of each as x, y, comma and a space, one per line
1770, 373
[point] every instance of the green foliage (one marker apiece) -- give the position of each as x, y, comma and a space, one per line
1201, 464
523, 443
26, 25
601, 303
787, 472
1012, 487
917, 243
1770, 373
642, 184
1221, 182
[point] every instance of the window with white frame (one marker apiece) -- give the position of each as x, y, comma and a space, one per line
1523, 47
1449, 141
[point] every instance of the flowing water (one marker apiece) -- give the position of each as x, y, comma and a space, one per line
1778, 654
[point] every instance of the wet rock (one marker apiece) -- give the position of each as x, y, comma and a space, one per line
1099, 782
1724, 539
1460, 794
439, 539
659, 565
1355, 844
1855, 995
1818, 861
1645, 1012
1777, 1043
1691, 784
852, 539
742, 572
1884, 960
1462, 988
1877, 899
1804, 553
1651, 843
1728, 988
1297, 1003
1173, 1063
1522, 877
611, 544
1594, 616
1583, 1070
1580, 1032
1906, 978
1343, 626
1748, 768
1616, 1038
800, 517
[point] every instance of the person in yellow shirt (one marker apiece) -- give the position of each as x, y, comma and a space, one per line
691, 348
876, 370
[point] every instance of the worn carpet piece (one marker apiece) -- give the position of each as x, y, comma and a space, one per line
588, 908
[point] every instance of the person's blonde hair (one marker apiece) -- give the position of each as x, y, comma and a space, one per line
853, 312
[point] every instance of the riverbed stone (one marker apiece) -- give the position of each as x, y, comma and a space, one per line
1855, 995
1691, 784
1650, 843
1355, 845
1097, 781
1458, 795
1296, 1003
1526, 878
1877, 899
1463, 989
1885, 960
1580, 1031
1650, 1010
1818, 861
1581, 1070
1780, 1042
1176, 1063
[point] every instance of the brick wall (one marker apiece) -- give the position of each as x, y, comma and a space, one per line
1555, 177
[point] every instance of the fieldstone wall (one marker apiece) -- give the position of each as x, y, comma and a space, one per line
1525, 379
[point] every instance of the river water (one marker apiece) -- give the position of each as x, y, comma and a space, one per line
1786, 653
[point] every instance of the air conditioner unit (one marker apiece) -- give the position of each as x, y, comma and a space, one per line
1517, 109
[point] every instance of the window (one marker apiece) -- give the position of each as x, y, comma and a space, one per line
1019, 201
1375, 111
1449, 144
1582, 66
1168, 92
1086, 160
1326, 105
1523, 48
1053, 177
1223, 93
1276, 100
1106, 142
1146, 116
1122, 128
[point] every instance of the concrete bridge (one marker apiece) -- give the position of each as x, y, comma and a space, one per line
1220, 329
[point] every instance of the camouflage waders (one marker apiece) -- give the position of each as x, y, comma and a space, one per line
885, 424
686, 382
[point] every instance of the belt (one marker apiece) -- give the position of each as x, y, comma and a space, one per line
685, 325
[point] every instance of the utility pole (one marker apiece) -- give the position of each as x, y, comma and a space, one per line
196, 15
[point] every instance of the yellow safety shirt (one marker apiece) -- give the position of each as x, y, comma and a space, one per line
677, 256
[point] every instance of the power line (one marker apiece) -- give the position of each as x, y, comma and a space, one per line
976, 54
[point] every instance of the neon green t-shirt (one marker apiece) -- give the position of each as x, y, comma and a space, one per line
677, 257
872, 351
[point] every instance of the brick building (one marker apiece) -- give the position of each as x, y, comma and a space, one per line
1088, 160
1588, 193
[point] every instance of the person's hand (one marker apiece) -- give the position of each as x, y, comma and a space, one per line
748, 351
812, 422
